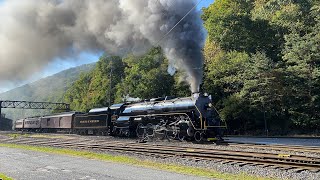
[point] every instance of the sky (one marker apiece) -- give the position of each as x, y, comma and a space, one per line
61, 64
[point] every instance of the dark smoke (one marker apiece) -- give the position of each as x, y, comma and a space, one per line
33, 33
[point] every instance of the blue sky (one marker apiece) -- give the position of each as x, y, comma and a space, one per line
205, 3
61, 64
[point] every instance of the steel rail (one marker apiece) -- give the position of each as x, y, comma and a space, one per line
312, 149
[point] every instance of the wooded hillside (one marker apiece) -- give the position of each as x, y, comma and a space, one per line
49, 89
263, 63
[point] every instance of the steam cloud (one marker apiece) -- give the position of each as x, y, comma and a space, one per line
33, 33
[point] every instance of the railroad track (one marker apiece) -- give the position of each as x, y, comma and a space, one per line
295, 148
241, 158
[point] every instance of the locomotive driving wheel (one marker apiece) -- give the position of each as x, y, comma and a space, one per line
160, 131
150, 130
172, 133
181, 137
198, 136
140, 130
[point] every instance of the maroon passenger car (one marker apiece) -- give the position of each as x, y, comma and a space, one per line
57, 122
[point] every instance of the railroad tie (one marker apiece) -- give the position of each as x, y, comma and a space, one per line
242, 164
287, 168
227, 162
266, 165
314, 170
298, 170
276, 167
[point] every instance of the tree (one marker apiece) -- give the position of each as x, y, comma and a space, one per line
224, 80
76, 94
286, 15
146, 76
224, 72
229, 24
262, 62
302, 57
93, 89
265, 91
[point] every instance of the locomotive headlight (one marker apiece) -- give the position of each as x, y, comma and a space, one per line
208, 106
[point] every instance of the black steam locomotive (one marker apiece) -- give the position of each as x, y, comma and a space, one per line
192, 118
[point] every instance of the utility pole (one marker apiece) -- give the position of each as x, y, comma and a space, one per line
265, 121
110, 86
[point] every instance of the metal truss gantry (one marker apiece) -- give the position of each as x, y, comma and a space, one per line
33, 105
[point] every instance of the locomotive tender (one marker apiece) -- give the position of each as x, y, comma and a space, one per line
192, 118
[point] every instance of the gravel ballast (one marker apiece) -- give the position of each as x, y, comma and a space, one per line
218, 165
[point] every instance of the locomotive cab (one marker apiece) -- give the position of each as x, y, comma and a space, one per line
210, 122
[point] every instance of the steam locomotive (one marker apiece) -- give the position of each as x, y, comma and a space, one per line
192, 118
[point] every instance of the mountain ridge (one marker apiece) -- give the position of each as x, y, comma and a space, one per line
48, 89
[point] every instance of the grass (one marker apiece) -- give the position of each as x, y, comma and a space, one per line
4, 177
47, 136
203, 172
16, 135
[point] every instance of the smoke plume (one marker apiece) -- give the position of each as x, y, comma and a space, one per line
33, 33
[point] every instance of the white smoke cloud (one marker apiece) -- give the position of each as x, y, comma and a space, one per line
33, 33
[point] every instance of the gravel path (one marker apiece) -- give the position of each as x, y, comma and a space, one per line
22, 164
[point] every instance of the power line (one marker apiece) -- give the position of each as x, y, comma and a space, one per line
178, 22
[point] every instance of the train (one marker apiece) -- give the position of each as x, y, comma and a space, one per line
187, 118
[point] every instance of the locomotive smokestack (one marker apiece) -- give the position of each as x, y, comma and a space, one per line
195, 95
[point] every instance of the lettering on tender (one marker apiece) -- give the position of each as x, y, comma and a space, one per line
89, 121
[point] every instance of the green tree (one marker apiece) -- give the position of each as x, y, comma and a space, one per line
265, 91
146, 76
76, 94
262, 62
302, 57
229, 23
224, 72
93, 89
286, 15
224, 75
